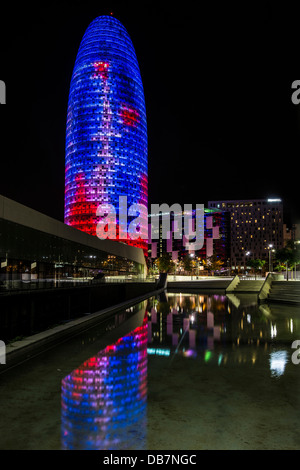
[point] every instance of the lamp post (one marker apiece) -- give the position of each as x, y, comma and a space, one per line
248, 253
270, 258
297, 242
192, 256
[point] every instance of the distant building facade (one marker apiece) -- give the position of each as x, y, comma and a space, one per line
256, 226
291, 233
216, 239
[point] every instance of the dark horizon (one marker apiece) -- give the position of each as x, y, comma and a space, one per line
217, 83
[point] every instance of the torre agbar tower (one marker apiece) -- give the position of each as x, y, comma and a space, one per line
106, 135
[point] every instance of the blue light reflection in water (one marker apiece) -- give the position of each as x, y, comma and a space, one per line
104, 401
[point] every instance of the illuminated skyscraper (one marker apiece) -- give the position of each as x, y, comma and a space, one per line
106, 136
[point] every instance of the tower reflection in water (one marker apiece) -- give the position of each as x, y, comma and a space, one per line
104, 401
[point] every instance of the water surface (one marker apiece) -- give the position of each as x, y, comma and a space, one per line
183, 371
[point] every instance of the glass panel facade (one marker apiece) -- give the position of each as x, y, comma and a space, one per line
26, 250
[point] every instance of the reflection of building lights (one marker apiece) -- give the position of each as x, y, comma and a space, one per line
104, 400
190, 353
158, 352
291, 325
207, 356
278, 360
273, 331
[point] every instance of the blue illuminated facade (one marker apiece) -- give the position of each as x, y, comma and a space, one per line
106, 135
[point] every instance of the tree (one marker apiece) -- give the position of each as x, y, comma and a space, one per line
187, 263
213, 263
165, 263
256, 264
152, 267
288, 257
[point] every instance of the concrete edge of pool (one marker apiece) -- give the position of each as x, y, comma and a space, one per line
26, 348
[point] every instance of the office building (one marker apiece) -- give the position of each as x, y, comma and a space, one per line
256, 227
106, 134
215, 232
291, 234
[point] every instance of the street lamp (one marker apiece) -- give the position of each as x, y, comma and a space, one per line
247, 253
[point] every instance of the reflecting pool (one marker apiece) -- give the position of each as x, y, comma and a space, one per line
178, 372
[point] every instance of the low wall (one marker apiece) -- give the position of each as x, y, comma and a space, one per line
233, 284
209, 284
266, 287
29, 312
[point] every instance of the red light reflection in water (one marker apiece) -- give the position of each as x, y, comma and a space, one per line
104, 400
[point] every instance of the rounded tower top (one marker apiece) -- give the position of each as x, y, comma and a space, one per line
106, 36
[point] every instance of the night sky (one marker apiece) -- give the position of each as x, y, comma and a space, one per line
217, 83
